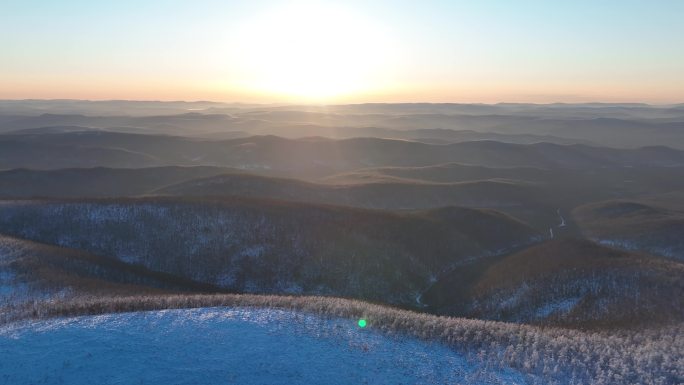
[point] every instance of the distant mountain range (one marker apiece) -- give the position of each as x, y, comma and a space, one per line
611, 125
306, 157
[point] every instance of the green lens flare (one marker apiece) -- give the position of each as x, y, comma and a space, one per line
362, 323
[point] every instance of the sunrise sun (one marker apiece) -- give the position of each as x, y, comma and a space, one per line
313, 51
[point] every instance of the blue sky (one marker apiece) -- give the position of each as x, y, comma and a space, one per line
440, 50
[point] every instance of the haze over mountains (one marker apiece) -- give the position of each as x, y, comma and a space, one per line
453, 188
559, 215
612, 125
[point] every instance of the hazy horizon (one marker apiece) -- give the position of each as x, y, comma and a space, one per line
323, 104
327, 52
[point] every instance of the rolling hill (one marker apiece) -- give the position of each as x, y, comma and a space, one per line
525, 200
96, 182
310, 157
261, 246
651, 224
31, 271
568, 282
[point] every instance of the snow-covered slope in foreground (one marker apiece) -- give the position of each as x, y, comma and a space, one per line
226, 346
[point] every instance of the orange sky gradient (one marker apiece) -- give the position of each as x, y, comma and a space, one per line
321, 52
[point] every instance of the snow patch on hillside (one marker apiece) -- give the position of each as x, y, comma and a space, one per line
672, 251
230, 346
562, 306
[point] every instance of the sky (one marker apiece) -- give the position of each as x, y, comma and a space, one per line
344, 51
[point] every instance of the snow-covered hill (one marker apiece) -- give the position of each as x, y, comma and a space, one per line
226, 346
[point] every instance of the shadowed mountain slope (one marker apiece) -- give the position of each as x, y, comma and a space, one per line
653, 224
32, 271
525, 200
272, 247
567, 282
96, 182
307, 157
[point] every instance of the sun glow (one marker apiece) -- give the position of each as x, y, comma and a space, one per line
314, 51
